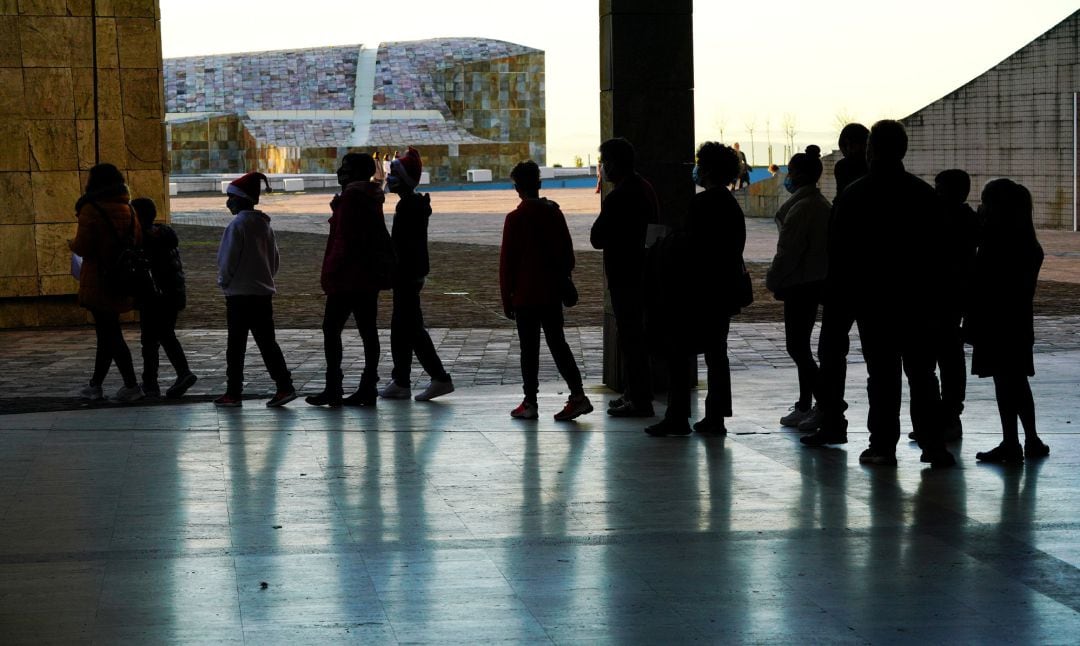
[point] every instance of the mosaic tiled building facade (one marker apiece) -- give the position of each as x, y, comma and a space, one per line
1015, 120
54, 127
464, 103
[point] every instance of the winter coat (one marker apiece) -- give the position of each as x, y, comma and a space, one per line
1000, 324
248, 256
106, 223
802, 248
359, 253
409, 234
620, 229
847, 170
536, 256
961, 239
163, 250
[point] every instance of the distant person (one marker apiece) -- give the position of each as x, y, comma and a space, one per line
1000, 325
357, 264
837, 318
407, 332
535, 262
380, 173
619, 231
744, 168
885, 257
774, 170
701, 268
797, 273
157, 315
247, 263
106, 224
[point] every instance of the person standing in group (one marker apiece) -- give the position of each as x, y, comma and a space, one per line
886, 261
834, 340
797, 273
106, 221
535, 262
701, 268
359, 261
247, 263
744, 168
407, 332
157, 314
619, 231
1000, 325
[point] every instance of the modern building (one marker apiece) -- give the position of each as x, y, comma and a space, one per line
465, 103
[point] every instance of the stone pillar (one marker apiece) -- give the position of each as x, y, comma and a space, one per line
647, 96
64, 105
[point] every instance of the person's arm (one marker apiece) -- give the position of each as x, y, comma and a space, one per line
275, 256
791, 246
84, 242
229, 252
564, 243
507, 257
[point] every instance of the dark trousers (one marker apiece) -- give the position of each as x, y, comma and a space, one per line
157, 324
833, 346
888, 348
253, 314
952, 366
530, 320
800, 314
111, 347
1014, 400
679, 362
629, 307
408, 335
364, 307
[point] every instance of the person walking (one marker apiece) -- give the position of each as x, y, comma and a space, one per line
535, 262
357, 264
158, 313
407, 332
106, 224
247, 263
797, 273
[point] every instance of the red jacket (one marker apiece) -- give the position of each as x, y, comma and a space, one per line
359, 255
536, 255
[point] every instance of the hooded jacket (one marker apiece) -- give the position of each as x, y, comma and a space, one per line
359, 254
410, 237
802, 248
106, 221
536, 255
248, 256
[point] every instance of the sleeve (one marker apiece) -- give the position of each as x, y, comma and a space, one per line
600, 234
563, 242
83, 244
507, 254
790, 248
275, 255
229, 252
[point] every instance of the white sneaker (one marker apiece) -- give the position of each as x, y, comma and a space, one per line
435, 389
129, 394
91, 392
394, 391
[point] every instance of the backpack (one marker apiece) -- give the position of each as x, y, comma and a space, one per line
130, 275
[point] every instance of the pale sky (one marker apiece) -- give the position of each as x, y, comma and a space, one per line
756, 62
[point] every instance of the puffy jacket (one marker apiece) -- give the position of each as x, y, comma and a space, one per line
802, 249
163, 250
359, 253
106, 223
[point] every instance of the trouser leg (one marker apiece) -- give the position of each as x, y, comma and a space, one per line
335, 314
552, 322
262, 328
236, 319
718, 401
173, 350
528, 328
150, 340
630, 321
365, 309
881, 351
833, 346
800, 313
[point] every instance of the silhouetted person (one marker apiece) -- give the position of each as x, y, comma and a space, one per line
157, 314
407, 332
1000, 324
887, 262
744, 168
619, 230
798, 270
535, 262
357, 264
247, 262
700, 270
837, 318
106, 225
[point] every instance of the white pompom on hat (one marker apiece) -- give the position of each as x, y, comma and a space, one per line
248, 186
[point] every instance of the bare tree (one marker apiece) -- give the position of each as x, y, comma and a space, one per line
843, 117
789, 130
750, 125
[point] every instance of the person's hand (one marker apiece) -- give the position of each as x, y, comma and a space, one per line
508, 313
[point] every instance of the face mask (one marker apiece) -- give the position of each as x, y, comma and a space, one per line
695, 174
789, 184
393, 182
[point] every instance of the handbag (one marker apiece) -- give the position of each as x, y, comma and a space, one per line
130, 275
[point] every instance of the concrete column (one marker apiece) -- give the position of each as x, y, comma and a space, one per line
647, 96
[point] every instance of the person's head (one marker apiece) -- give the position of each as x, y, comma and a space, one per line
953, 185
405, 172
355, 167
244, 192
774, 169
526, 176
852, 141
735, 145
717, 165
616, 159
887, 143
804, 169
146, 211
103, 176
1006, 210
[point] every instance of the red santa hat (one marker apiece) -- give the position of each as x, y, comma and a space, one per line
248, 187
408, 167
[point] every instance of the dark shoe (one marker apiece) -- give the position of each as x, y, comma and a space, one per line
1035, 449
813, 420
795, 417
576, 406
824, 436
281, 398
940, 459
364, 396
878, 457
229, 401
953, 429
630, 409
618, 401
181, 386
667, 427
913, 437
1002, 454
151, 391
709, 427
325, 398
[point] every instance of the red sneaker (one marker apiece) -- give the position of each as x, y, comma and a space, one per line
525, 410
228, 401
281, 398
575, 407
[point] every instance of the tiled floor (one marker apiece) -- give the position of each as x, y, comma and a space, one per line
450, 522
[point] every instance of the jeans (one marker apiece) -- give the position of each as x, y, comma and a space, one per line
530, 319
157, 324
364, 308
629, 307
833, 346
253, 314
408, 335
111, 347
718, 399
800, 313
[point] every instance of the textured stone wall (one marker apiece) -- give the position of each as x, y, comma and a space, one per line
49, 125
